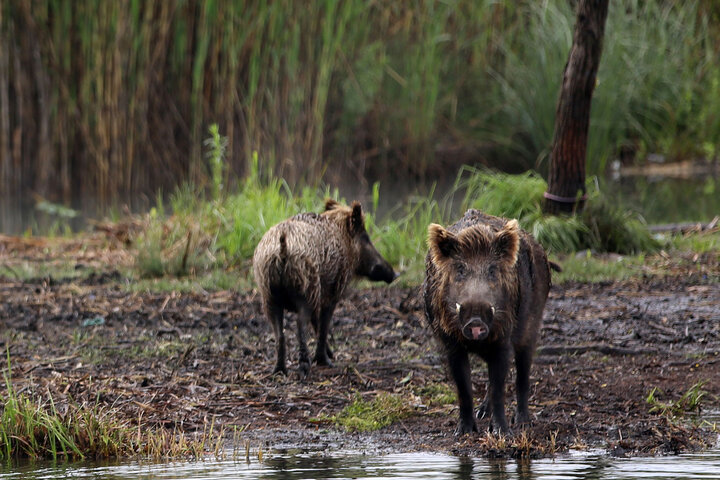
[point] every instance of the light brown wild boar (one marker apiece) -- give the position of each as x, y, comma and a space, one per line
304, 264
485, 290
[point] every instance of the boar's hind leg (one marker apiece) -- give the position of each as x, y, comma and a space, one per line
304, 315
274, 314
484, 409
322, 352
523, 361
460, 371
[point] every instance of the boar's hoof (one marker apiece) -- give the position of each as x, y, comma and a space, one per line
324, 360
280, 369
475, 329
303, 368
499, 428
522, 419
465, 428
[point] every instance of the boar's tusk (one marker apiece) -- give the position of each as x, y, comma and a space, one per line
457, 307
492, 309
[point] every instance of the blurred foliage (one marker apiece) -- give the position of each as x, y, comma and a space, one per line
109, 100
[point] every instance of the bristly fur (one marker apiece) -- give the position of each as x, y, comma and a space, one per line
304, 264
290, 255
474, 240
500, 274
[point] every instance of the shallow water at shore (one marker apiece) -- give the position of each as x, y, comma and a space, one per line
315, 465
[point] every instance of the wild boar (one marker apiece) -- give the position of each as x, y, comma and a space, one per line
485, 289
304, 264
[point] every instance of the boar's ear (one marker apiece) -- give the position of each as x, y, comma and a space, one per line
507, 242
330, 204
442, 243
357, 222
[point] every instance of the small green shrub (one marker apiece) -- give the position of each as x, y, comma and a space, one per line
216, 145
612, 228
501, 194
601, 226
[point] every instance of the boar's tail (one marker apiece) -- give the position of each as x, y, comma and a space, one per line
283, 247
555, 266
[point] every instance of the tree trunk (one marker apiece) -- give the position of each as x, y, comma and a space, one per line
566, 178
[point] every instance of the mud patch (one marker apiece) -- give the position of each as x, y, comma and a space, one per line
181, 361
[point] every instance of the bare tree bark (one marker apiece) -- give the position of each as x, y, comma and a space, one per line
566, 178
5, 146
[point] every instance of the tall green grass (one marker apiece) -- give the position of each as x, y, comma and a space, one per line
654, 90
222, 230
110, 101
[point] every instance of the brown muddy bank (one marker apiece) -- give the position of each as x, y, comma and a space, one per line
183, 361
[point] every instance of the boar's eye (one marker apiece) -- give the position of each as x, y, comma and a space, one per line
460, 271
492, 271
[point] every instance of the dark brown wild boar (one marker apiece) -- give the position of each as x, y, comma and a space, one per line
485, 289
304, 264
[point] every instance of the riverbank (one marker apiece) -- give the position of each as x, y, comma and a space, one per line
185, 361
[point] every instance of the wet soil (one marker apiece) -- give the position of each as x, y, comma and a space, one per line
183, 361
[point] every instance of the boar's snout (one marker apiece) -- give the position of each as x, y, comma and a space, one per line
382, 272
476, 321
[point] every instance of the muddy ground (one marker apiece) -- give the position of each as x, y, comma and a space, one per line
183, 361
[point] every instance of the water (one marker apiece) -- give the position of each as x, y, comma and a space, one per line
660, 199
409, 466
668, 200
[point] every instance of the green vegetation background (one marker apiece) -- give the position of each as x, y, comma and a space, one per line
110, 101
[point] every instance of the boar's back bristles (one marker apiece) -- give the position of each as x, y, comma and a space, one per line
290, 254
304, 264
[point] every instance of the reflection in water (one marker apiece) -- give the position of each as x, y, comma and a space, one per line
669, 200
411, 466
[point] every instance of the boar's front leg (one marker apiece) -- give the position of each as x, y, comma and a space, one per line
322, 351
497, 373
460, 371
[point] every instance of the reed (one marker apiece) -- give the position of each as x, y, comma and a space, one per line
654, 80
107, 102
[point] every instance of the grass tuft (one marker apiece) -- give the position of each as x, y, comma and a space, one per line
31, 428
690, 402
363, 416
438, 394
